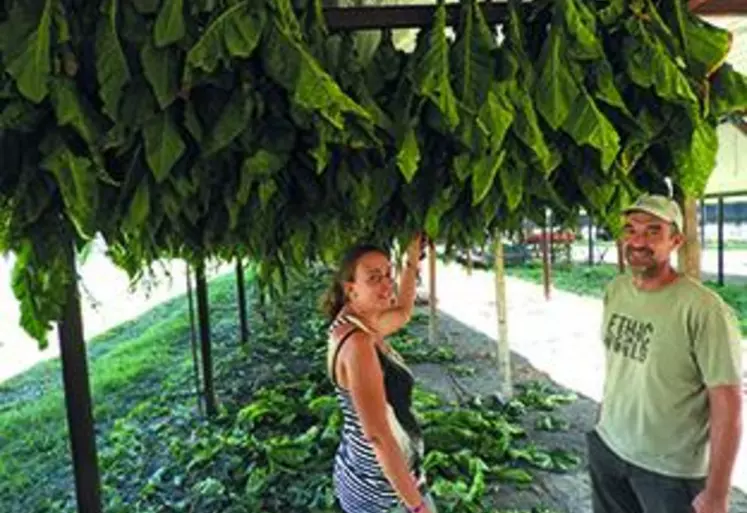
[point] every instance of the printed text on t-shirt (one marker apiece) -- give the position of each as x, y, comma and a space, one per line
628, 337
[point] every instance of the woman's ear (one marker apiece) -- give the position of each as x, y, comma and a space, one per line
347, 286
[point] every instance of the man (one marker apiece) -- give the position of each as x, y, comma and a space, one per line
670, 420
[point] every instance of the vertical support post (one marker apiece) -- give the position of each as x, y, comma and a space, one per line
620, 257
203, 316
546, 279
504, 349
702, 223
193, 342
689, 254
241, 290
720, 240
591, 241
78, 396
433, 324
469, 261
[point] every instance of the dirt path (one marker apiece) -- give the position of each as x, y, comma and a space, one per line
556, 341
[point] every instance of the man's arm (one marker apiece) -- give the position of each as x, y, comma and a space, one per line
725, 404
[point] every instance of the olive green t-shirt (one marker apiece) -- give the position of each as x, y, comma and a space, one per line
664, 348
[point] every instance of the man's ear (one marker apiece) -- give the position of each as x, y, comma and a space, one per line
679, 240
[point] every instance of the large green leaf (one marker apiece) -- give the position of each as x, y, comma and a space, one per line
580, 25
605, 88
235, 33
163, 145
589, 126
483, 175
431, 75
25, 43
706, 46
511, 175
527, 129
161, 68
408, 157
111, 66
695, 159
295, 69
71, 110
728, 92
649, 65
20, 115
471, 55
496, 115
139, 208
169, 26
556, 90
234, 119
76, 178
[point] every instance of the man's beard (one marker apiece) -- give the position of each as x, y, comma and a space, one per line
650, 269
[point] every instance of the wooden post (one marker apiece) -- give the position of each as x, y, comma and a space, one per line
203, 315
620, 257
433, 324
546, 278
78, 397
503, 346
720, 249
591, 241
469, 261
241, 290
689, 253
193, 343
702, 223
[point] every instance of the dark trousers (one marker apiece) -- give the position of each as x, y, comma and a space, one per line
619, 487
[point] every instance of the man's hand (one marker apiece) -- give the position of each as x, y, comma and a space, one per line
707, 502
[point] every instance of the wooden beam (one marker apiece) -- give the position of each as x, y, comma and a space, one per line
78, 397
403, 16
433, 324
193, 341
414, 16
546, 271
620, 256
689, 253
503, 346
241, 299
718, 7
203, 316
721, 241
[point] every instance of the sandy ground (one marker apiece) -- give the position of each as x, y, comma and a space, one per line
560, 337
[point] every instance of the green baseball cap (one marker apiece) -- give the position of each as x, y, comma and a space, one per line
658, 206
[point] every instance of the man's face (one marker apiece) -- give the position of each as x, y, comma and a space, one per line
648, 243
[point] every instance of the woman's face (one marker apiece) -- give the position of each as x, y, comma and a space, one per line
371, 288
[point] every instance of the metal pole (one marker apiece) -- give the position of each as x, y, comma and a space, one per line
720, 240
78, 397
193, 341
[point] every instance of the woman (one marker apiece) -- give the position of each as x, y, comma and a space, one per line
377, 467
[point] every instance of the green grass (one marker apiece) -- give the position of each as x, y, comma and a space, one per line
591, 280
127, 365
271, 446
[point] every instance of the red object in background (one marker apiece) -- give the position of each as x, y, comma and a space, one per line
558, 237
